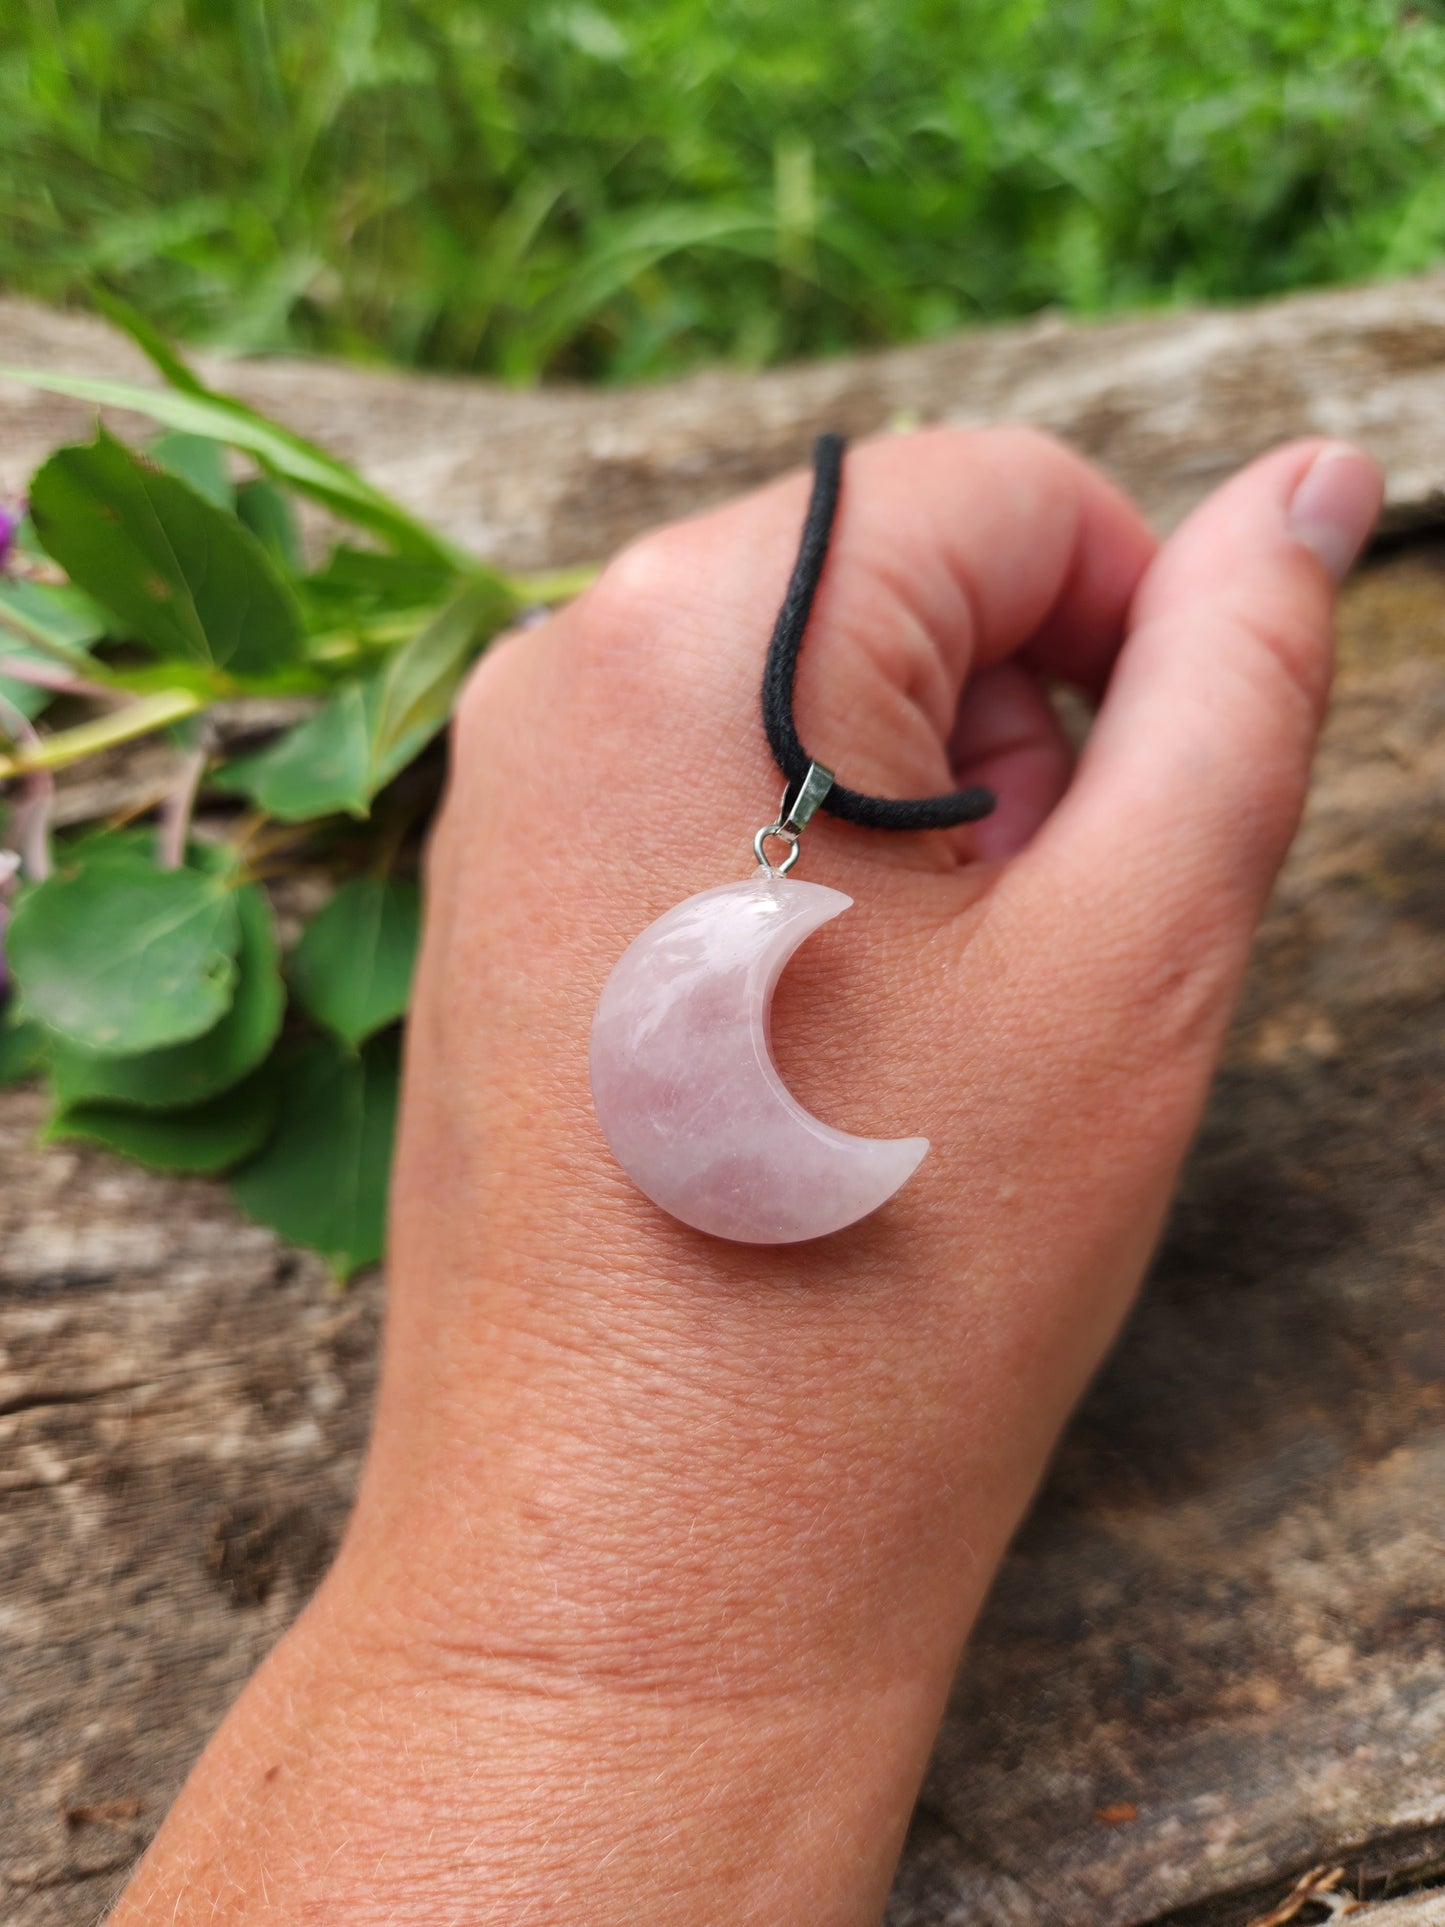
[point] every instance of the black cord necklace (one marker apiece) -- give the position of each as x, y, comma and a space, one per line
780, 673
683, 1079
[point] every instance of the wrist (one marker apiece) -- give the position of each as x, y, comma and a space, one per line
375, 1773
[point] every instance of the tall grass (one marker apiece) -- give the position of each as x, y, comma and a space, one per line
629, 189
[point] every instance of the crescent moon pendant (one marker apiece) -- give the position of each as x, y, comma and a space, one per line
686, 1090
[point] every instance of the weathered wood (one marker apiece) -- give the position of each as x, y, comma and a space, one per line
1415, 1910
182, 1410
1168, 404
1217, 1655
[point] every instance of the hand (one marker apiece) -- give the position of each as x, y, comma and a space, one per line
667, 1548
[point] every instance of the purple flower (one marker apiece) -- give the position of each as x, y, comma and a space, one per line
9, 523
9, 869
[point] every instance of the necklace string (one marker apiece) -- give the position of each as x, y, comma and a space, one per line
781, 670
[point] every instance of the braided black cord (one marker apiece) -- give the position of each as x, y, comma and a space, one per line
781, 668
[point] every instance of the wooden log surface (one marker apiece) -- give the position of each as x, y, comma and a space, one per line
1216, 1656
1169, 405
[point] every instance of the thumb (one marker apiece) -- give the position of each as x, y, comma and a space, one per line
1145, 885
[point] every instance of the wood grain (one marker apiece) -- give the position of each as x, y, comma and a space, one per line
1168, 404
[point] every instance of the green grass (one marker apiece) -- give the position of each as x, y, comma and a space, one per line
537, 189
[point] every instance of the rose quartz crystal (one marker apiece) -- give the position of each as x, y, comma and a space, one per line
686, 1090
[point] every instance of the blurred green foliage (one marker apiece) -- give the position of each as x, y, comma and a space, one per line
630, 189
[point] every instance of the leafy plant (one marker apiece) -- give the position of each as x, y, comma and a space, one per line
638, 187
155, 592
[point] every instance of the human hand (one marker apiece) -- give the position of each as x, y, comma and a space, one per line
667, 1548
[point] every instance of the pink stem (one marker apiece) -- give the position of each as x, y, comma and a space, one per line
46, 675
176, 811
32, 815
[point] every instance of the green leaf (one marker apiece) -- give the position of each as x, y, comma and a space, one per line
266, 510
322, 1180
187, 1074
421, 679
21, 1046
169, 365
185, 578
370, 580
355, 744
24, 545
204, 1139
50, 625
352, 969
118, 956
316, 769
27, 697
308, 469
199, 460
58, 619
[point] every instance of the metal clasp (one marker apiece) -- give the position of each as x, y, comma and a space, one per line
792, 821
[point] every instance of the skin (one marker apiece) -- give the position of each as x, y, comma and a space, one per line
667, 1548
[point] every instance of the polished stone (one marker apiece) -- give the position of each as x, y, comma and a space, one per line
685, 1086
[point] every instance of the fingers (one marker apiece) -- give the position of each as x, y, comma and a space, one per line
1007, 737
952, 549
1150, 875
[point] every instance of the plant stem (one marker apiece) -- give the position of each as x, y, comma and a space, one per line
372, 638
554, 585
176, 811
41, 639
50, 675
32, 815
140, 718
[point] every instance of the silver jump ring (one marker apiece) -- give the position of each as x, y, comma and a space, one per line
792, 821
790, 837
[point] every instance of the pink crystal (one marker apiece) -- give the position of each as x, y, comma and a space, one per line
685, 1086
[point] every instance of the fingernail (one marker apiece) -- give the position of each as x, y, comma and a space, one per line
1335, 505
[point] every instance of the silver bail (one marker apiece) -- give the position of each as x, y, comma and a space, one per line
811, 791
792, 821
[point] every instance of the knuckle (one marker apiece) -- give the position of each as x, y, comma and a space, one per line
1175, 1011
619, 609
1036, 443
1143, 1003
477, 704
1021, 450
1285, 642
647, 637
1137, 1002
